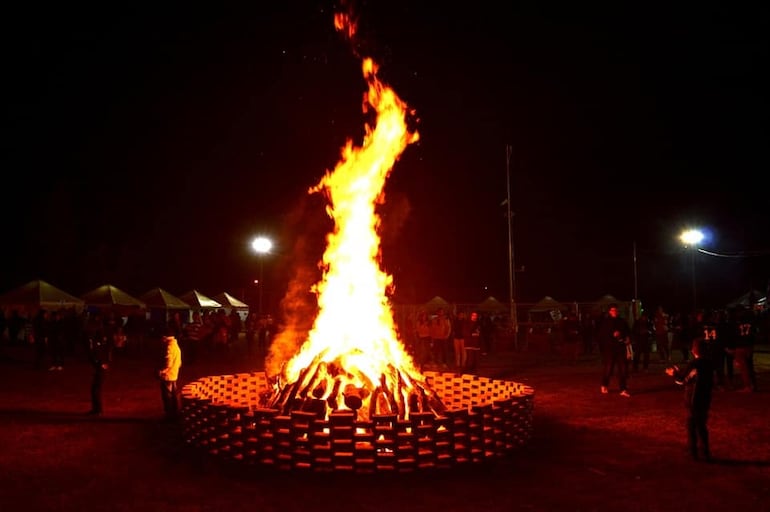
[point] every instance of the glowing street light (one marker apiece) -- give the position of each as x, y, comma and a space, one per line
691, 238
262, 246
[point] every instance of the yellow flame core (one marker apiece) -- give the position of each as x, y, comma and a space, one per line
354, 328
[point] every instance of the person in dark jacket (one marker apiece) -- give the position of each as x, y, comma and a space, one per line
98, 354
614, 337
697, 377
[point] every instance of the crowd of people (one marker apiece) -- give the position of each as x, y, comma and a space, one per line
99, 336
449, 340
702, 352
59, 333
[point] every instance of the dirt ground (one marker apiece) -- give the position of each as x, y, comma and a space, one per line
589, 452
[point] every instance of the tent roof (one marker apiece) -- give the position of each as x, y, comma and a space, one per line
197, 300
436, 302
608, 299
229, 301
748, 299
160, 299
108, 296
547, 303
491, 304
39, 293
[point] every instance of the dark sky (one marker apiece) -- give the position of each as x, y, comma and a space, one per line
145, 147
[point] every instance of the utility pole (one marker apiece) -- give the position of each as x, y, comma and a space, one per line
511, 254
636, 281
635, 302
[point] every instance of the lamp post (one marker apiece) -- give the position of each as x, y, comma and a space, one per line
262, 246
511, 254
691, 238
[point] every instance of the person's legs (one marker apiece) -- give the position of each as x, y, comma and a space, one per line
170, 397
473, 357
646, 348
700, 426
607, 364
729, 367
174, 399
750, 368
622, 363
661, 344
692, 435
165, 395
459, 351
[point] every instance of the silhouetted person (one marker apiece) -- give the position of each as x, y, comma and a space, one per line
98, 355
697, 377
614, 337
169, 374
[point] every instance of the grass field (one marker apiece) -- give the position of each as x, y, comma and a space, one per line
590, 452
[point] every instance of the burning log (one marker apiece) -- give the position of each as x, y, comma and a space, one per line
318, 378
395, 392
354, 397
415, 404
316, 406
286, 397
332, 400
392, 405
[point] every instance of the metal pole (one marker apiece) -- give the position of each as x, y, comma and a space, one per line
636, 281
694, 287
261, 282
511, 255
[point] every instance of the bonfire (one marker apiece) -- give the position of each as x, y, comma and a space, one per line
353, 358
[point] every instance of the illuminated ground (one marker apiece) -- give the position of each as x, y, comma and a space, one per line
589, 451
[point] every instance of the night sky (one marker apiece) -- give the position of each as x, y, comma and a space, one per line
146, 147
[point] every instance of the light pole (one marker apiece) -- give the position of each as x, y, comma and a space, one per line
262, 246
691, 238
636, 278
511, 253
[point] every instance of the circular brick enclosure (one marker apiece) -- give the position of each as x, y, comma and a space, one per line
485, 419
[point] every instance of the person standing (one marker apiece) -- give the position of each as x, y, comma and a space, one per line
707, 328
98, 355
440, 332
40, 336
251, 325
614, 337
169, 375
55, 341
424, 342
698, 381
641, 334
660, 325
472, 336
192, 337
743, 332
458, 335
264, 333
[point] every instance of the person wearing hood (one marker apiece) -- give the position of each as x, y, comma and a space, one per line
169, 375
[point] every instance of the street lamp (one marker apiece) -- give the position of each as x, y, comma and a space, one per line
691, 238
261, 245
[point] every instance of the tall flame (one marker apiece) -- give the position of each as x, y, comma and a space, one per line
354, 330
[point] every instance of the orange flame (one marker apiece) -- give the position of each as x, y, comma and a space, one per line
355, 329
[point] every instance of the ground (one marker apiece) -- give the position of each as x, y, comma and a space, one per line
589, 452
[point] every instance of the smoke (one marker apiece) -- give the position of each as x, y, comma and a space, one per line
307, 225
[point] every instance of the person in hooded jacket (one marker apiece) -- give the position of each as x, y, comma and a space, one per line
169, 375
